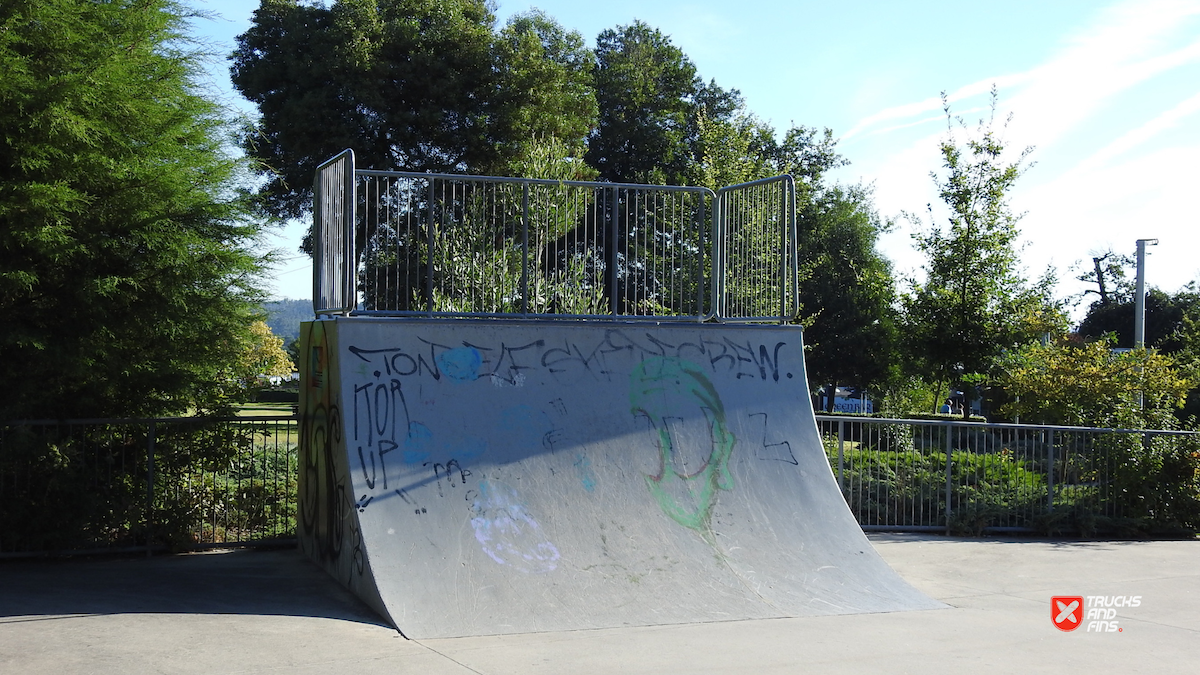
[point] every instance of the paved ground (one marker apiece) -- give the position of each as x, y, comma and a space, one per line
272, 611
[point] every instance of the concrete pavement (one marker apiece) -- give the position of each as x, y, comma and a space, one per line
273, 611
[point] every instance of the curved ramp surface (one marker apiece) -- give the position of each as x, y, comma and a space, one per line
484, 477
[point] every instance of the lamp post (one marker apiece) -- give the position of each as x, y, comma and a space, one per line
1139, 312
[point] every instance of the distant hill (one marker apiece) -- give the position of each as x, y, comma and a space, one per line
284, 317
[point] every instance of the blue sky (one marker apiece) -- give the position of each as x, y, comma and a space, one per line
1107, 93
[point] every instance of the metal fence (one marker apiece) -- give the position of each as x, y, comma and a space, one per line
961, 477
757, 257
131, 484
455, 245
187, 483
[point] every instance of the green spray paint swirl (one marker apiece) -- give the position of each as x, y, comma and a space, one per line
653, 385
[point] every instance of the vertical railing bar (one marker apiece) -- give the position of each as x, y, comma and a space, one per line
150, 450
1050, 473
525, 248
612, 273
841, 436
429, 249
350, 291
949, 492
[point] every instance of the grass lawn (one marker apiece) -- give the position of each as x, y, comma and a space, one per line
260, 409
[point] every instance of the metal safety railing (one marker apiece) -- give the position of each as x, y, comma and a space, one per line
960, 477
757, 259
390, 243
146, 484
119, 485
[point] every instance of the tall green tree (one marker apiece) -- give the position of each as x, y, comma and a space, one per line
408, 84
545, 89
126, 276
847, 290
645, 90
847, 293
974, 302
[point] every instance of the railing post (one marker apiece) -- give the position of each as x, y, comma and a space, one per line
841, 458
700, 226
949, 490
429, 240
525, 248
150, 449
1050, 473
784, 231
350, 230
717, 274
612, 273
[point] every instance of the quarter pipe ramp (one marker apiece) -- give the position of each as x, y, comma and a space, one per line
474, 477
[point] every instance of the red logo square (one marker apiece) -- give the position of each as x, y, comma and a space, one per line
1066, 611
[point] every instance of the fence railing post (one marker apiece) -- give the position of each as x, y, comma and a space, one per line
612, 257
150, 449
1050, 473
841, 458
525, 248
429, 249
949, 484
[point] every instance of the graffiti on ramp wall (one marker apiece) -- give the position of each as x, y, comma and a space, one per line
666, 390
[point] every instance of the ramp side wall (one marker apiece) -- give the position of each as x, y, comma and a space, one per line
472, 477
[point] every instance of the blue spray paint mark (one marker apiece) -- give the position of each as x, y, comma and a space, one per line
508, 533
583, 465
461, 364
417, 444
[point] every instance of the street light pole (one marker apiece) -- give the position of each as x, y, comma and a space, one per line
1139, 312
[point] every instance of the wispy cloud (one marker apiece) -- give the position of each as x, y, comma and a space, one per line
1137, 138
1118, 50
1090, 109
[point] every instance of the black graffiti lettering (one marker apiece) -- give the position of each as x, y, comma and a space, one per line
510, 355
362, 461
449, 469
509, 363
697, 346
401, 364
363, 389
558, 360
431, 366
779, 452
384, 448
664, 349
382, 410
716, 357
550, 438
766, 360
744, 355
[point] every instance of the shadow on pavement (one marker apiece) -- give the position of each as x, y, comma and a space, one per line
273, 582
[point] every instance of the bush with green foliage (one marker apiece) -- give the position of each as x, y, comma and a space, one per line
127, 278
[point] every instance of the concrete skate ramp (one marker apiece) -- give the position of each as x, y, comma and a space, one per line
481, 477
